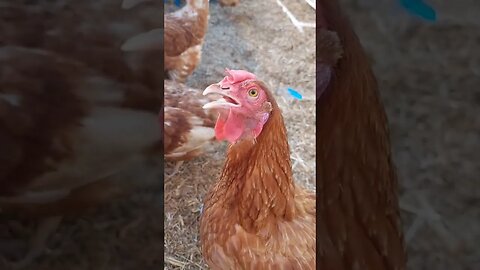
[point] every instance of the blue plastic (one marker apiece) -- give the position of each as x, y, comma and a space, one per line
420, 9
294, 93
178, 3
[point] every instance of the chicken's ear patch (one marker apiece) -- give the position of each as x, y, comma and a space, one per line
267, 107
259, 127
262, 118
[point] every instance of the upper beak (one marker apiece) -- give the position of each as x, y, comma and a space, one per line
221, 103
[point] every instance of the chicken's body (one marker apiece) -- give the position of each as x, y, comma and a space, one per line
233, 238
181, 38
184, 33
59, 121
78, 117
187, 127
359, 221
72, 139
229, 3
256, 217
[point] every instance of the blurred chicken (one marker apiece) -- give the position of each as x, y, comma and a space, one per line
229, 3
184, 31
359, 225
255, 216
184, 34
187, 126
68, 144
78, 119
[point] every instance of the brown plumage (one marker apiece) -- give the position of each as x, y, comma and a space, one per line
71, 138
187, 126
255, 216
185, 27
228, 3
184, 33
78, 119
358, 215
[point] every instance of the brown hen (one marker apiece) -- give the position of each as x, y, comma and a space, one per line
78, 119
184, 33
255, 216
359, 223
187, 126
70, 140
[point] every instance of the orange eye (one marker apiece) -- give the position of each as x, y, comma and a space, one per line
253, 92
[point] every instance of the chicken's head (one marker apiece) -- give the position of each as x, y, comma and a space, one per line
244, 106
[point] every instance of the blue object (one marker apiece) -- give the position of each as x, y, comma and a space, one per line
179, 2
419, 8
294, 93
176, 2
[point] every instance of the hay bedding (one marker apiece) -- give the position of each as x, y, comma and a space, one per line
255, 36
429, 75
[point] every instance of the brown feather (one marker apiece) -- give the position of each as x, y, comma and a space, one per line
182, 66
255, 217
78, 117
35, 130
185, 30
58, 121
359, 222
187, 126
229, 3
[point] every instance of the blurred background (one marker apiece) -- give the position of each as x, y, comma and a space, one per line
429, 75
79, 135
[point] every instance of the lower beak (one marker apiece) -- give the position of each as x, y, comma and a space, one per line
220, 103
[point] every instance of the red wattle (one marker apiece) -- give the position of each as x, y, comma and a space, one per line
229, 127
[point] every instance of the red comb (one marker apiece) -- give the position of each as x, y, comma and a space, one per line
235, 76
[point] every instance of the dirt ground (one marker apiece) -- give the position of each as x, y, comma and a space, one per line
429, 76
255, 36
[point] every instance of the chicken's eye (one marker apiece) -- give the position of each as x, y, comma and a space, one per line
253, 92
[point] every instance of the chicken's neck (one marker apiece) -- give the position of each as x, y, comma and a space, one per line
257, 178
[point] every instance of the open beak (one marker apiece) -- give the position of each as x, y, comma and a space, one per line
228, 101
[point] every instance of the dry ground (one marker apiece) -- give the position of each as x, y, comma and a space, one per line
429, 77
255, 36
